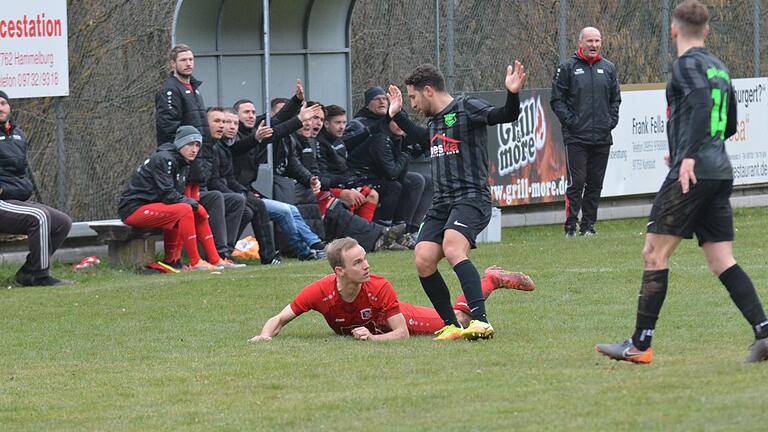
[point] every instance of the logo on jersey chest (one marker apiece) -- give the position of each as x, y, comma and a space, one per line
365, 313
442, 145
449, 119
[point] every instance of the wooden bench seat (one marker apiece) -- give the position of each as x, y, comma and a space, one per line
126, 245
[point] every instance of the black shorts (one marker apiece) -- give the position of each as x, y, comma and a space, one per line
705, 211
469, 217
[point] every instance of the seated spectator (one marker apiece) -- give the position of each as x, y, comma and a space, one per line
371, 123
338, 220
46, 228
332, 164
154, 199
255, 212
250, 150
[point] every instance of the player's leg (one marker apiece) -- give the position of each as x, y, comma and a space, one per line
673, 217
426, 255
494, 277
715, 234
465, 221
421, 320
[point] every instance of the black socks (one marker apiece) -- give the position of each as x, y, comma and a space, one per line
653, 291
438, 293
473, 291
744, 296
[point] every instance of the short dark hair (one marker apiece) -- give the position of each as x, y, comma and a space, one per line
692, 18
229, 111
214, 109
178, 49
313, 103
278, 100
237, 104
426, 75
334, 111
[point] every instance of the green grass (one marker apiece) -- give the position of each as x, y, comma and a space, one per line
120, 351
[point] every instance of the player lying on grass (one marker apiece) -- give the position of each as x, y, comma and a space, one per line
357, 303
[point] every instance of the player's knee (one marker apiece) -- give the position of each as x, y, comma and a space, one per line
653, 259
425, 266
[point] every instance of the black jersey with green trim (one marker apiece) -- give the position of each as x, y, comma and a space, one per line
701, 109
458, 149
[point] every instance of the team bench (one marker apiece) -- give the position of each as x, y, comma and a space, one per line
126, 245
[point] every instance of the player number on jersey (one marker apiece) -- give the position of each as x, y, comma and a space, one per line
719, 115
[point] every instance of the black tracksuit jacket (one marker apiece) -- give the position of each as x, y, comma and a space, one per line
15, 181
160, 179
586, 99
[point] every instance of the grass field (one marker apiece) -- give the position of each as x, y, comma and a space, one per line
120, 351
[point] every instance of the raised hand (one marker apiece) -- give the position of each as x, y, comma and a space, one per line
395, 100
515, 77
299, 90
263, 132
307, 113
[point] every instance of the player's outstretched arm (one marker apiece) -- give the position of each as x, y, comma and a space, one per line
514, 81
396, 323
415, 132
273, 325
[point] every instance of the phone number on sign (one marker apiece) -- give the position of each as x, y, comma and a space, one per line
37, 79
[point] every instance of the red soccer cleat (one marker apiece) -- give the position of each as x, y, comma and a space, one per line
502, 278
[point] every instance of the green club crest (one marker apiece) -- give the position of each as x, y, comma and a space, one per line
450, 119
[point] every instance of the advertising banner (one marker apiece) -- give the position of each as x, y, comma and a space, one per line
33, 48
527, 161
526, 158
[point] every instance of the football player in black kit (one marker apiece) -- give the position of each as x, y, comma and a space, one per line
455, 139
694, 198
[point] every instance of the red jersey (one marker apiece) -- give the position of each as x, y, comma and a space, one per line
376, 302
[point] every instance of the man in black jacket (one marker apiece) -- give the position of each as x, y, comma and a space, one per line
250, 149
46, 228
586, 99
370, 128
255, 212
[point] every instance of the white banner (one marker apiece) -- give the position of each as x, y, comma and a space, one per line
636, 164
33, 48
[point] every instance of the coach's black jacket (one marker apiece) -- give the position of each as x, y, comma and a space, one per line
160, 179
365, 124
176, 105
586, 99
15, 181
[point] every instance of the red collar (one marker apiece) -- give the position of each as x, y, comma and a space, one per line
592, 60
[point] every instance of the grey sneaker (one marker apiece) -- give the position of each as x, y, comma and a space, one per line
758, 351
389, 237
587, 231
625, 351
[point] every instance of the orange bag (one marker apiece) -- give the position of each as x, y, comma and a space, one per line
247, 248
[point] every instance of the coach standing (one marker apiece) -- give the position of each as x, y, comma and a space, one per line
586, 98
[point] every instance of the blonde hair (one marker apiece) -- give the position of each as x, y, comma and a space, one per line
335, 251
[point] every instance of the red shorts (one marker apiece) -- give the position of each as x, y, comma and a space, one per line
421, 320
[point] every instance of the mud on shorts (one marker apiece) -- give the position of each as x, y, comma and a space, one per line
705, 211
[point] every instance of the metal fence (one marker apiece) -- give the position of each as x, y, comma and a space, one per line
117, 62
